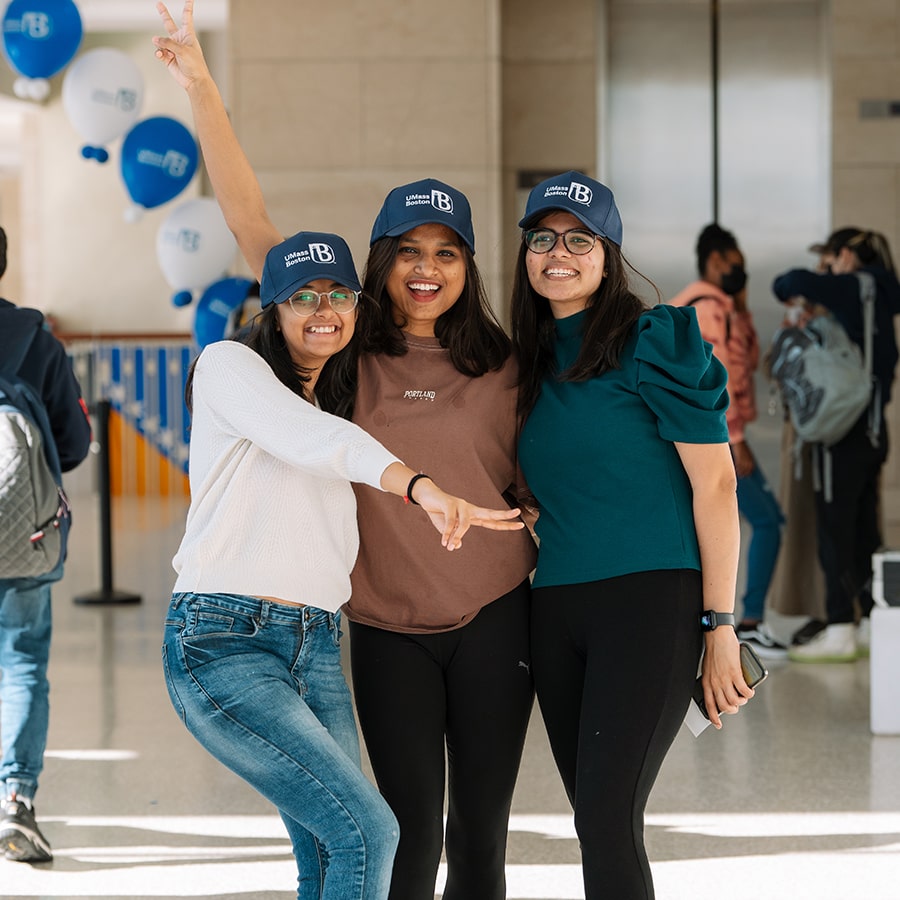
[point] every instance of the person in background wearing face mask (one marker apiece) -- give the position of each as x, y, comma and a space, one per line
847, 525
720, 299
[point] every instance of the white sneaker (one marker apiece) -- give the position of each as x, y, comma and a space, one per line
836, 643
864, 636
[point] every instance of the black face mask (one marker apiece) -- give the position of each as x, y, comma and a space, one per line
735, 280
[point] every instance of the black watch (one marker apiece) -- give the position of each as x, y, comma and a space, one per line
710, 620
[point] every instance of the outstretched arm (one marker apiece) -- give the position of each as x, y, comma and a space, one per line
237, 188
450, 515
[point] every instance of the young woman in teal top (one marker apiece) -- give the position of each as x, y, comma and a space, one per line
626, 451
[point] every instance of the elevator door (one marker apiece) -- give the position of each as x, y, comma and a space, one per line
774, 160
773, 135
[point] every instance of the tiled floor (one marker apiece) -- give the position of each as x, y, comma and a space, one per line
793, 799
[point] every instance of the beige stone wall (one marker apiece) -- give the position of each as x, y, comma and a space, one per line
10, 216
337, 103
475, 97
550, 102
866, 151
866, 157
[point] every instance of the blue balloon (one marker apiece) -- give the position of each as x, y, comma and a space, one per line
40, 37
98, 153
216, 307
159, 159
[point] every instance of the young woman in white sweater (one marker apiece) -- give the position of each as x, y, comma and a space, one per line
427, 630
251, 651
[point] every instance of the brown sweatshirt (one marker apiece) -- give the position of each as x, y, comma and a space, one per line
462, 432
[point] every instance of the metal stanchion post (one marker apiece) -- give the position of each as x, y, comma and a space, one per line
107, 593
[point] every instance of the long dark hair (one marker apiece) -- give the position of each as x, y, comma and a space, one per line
611, 314
469, 329
263, 335
871, 247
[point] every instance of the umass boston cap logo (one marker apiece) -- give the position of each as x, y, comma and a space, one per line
580, 193
438, 199
319, 253
322, 253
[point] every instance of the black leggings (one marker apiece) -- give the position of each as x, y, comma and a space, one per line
614, 663
472, 688
847, 526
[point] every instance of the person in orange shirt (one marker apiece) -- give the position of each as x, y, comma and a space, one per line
720, 299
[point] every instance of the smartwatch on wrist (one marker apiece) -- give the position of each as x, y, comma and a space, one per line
710, 620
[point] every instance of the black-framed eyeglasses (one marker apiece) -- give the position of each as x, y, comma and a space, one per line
576, 240
305, 302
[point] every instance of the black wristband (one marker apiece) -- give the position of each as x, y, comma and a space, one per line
710, 620
408, 498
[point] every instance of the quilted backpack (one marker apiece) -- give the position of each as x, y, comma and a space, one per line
34, 510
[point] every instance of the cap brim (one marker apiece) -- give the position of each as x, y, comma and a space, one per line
535, 217
288, 292
403, 227
818, 248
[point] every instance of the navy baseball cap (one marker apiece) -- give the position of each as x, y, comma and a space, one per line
303, 258
589, 201
423, 203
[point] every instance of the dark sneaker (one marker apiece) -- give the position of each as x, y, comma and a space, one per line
761, 640
20, 837
805, 634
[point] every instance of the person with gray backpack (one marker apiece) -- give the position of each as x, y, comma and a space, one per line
44, 431
847, 463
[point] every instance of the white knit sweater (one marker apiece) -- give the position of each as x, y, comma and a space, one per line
272, 512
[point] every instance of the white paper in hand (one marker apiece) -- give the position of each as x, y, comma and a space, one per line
695, 720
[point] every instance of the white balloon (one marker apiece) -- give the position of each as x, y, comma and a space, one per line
194, 246
31, 88
38, 89
102, 94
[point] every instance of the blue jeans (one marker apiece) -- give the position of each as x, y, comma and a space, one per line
25, 629
759, 506
260, 686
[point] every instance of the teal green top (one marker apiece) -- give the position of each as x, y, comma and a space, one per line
599, 457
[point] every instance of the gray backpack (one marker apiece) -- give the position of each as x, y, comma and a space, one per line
34, 510
825, 382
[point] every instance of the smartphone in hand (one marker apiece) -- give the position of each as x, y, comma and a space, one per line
752, 668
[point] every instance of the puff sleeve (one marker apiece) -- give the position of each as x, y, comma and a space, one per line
679, 379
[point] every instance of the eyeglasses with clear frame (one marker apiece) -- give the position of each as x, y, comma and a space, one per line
306, 301
577, 241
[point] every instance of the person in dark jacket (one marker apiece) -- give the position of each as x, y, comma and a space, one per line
847, 525
25, 618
